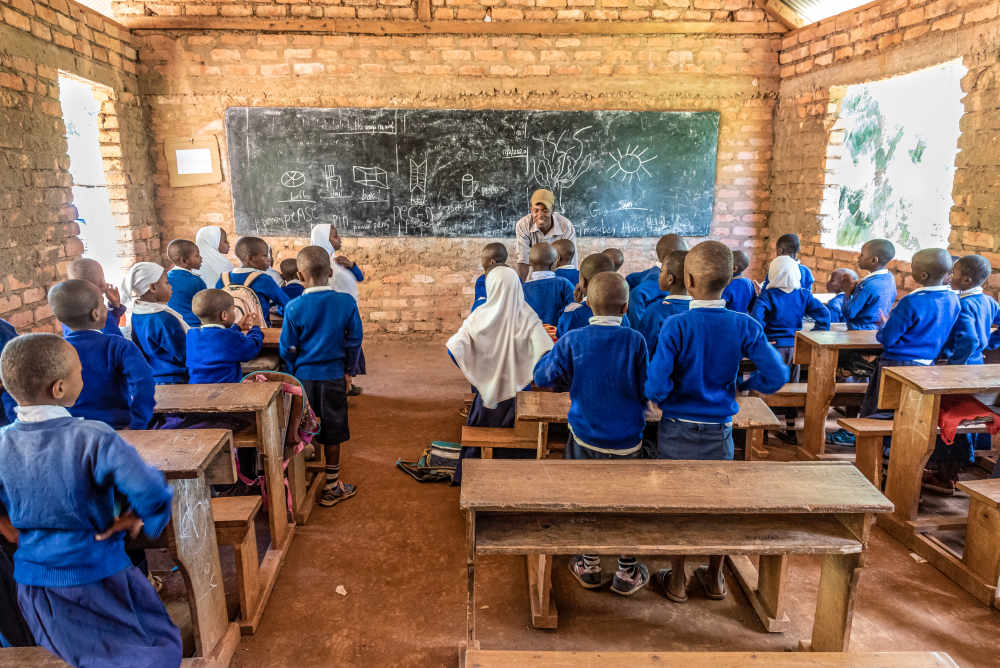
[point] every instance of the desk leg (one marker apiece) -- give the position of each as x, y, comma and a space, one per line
754, 444
838, 582
543, 607
543, 440
868, 458
472, 639
269, 428
914, 430
819, 394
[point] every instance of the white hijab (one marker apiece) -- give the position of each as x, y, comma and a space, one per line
500, 342
136, 283
784, 274
343, 280
213, 263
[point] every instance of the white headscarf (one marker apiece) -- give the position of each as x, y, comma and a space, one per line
213, 263
343, 280
321, 237
500, 342
784, 274
137, 282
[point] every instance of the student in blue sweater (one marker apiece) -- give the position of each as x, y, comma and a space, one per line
788, 245
605, 366
86, 269
545, 292
254, 255
320, 339
676, 301
841, 280
566, 264
158, 330
61, 480
7, 415
184, 280
741, 290
694, 376
216, 350
617, 257
494, 255
665, 245
578, 314
867, 303
648, 291
118, 384
973, 331
293, 287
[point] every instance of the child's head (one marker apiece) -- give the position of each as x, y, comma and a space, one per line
40, 370
875, 254
214, 307
184, 254
86, 269
566, 251
669, 243
788, 244
740, 262
607, 294
314, 266
254, 252
78, 304
931, 266
708, 268
146, 281
494, 255
542, 257
672, 273
591, 266
616, 255
840, 280
969, 272
289, 269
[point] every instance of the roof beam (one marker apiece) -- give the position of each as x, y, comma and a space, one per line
782, 13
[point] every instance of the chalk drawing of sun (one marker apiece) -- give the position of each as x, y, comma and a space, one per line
630, 165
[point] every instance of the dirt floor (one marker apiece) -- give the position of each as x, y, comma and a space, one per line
398, 550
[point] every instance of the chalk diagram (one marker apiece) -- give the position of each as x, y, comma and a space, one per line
371, 177
469, 186
334, 188
629, 164
295, 182
561, 161
418, 181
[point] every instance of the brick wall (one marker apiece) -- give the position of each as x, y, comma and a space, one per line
874, 42
37, 232
424, 285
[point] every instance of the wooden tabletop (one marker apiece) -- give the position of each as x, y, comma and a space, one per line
660, 486
863, 339
948, 379
179, 453
554, 407
215, 397
481, 658
271, 336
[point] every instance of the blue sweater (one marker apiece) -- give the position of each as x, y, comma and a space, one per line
972, 333
58, 481
919, 326
693, 375
293, 290
869, 305
117, 381
605, 367
738, 294
640, 298
264, 286
637, 277
110, 323
479, 293
185, 286
161, 339
781, 314
549, 297
836, 308
578, 315
214, 353
806, 279
7, 332
571, 274
320, 335
657, 313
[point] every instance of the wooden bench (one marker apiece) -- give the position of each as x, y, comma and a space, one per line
234, 525
264, 362
524, 436
479, 658
793, 395
29, 657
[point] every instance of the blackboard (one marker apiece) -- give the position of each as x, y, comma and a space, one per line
469, 173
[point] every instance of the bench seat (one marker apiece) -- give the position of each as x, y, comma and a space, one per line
234, 525
478, 658
523, 436
793, 395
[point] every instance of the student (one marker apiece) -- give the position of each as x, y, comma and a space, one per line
293, 287
740, 292
7, 415
867, 303
578, 314
676, 301
566, 264
666, 244
693, 377
158, 330
788, 245
605, 366
545, 292
118, 384
616, 255
215, 351
184, 280
648, 290
254, 254
85, 269
272, 272
213, 245
841, 280
493, 255
320, 337
979, 313
61, 482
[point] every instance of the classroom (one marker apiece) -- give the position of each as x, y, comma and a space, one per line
307, 307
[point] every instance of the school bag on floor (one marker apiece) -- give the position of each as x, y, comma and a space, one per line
436, 464
244, 298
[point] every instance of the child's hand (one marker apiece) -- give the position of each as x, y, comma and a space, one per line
7, 529
127, 522
344, 261
248, 321
111, 294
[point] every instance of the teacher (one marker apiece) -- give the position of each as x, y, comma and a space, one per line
541, 224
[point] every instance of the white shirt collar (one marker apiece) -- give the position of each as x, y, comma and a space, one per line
190, 271
707, 303
41, 413
978, 290
880, 272
606, 320
678, 298
244, 270
566, 266
213, 326
318, 288
540, 275
931, 288
294, 281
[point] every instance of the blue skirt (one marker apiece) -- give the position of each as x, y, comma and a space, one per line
116, 622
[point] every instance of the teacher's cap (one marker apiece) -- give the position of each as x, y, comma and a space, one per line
542, 196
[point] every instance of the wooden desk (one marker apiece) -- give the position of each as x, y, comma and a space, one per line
191, 460
915, 394
271, 337
545, 407
771, 509
820, 351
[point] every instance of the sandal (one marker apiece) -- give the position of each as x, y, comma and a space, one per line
662, 580
703, 579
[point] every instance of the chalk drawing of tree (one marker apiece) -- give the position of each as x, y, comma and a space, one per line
559, 162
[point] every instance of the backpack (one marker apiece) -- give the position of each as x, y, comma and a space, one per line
436, 464
244, 298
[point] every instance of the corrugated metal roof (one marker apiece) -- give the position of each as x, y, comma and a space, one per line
817, 10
